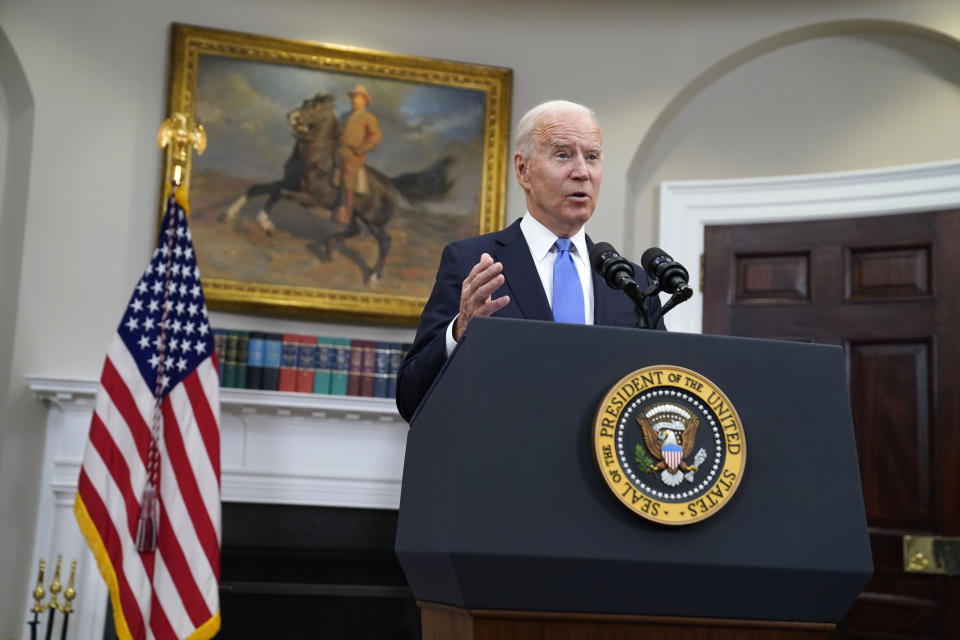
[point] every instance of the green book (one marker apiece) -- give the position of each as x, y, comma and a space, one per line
220, 346
340, 366
321, 365
243, 342
230, 362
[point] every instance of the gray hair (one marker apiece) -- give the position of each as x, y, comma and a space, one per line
523, 136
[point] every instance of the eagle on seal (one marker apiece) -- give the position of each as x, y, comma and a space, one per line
670, 438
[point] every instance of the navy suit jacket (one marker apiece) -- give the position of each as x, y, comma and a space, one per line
527, 300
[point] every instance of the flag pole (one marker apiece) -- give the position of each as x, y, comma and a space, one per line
179, 134
158, 413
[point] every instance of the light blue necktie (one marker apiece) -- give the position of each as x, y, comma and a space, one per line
567, 292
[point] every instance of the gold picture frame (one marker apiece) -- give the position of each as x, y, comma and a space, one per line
267, 199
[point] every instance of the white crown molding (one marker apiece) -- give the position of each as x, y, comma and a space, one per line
687, 207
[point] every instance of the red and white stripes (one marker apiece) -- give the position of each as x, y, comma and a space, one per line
172, 592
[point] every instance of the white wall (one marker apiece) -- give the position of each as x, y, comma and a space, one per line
20, 439
684, 90
857, 101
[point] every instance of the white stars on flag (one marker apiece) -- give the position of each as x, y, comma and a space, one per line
166, 318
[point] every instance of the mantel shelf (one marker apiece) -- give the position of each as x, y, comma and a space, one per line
67, 391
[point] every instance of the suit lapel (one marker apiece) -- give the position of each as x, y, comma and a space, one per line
526, 290
605, 299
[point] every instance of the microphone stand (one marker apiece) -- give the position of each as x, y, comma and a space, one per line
632, 289
680, 296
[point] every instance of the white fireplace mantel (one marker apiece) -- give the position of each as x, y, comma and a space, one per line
276, 447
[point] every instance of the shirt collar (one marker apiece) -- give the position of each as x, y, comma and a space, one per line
540, 239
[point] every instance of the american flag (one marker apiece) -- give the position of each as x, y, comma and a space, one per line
158, 400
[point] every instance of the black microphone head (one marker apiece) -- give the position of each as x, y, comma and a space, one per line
652, 256
597, 252
670, 276
612, 267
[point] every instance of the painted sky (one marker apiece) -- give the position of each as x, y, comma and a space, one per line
244, 105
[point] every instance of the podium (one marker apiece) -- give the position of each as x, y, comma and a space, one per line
507, 528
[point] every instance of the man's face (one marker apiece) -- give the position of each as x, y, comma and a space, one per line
358, 101
562, 175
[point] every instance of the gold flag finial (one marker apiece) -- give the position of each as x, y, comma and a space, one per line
178, 133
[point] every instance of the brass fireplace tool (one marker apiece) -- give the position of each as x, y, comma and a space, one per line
66, 608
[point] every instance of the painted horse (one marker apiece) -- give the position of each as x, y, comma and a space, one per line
308, 180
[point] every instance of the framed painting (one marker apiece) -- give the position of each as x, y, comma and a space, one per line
334, 176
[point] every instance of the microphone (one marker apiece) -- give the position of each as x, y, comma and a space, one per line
671, 275
616, 270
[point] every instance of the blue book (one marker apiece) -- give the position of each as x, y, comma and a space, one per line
272, 352
255, 353
381, 370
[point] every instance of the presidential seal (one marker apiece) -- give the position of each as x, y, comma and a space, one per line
669, 444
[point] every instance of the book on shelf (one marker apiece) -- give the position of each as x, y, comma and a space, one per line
308, 364
254, 378
321, 364
368, 367
243, 345
396, 357
272, 357
305, 363
220, 347
288, 362
355, 371
230, 368
381, 371
339, 366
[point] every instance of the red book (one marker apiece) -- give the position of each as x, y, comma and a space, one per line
305, 363
357, 348
367, 368
288, 362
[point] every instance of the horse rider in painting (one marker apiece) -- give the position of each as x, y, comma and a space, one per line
361, 135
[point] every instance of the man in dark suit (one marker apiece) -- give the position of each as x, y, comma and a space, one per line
538, 267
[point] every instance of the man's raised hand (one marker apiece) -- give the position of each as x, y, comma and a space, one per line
475, 294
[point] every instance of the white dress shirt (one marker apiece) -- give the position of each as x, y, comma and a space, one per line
541, 242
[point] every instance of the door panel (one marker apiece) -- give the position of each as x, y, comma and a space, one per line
890, 401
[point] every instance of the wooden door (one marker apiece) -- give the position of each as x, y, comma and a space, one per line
888, 290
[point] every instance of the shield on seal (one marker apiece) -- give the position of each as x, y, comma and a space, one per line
672, 455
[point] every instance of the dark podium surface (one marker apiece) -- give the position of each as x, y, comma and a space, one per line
503, 506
